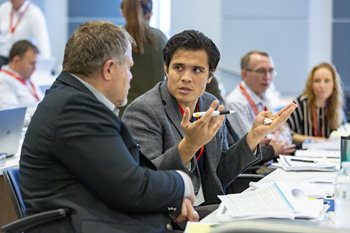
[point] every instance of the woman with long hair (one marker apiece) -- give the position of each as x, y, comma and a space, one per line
319, 110
147, 53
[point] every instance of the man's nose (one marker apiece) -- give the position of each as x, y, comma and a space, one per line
187, 76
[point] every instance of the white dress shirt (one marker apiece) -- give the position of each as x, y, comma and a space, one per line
28, 22
244, 115
14, 93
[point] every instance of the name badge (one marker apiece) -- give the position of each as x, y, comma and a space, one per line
199, 197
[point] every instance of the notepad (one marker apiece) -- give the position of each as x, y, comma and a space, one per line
290, 163
272, 201
318, 153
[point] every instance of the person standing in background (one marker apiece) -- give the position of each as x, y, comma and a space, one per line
16, 88
19, 20
147, 53
319, 107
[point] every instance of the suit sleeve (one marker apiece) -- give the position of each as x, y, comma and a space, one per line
156, 138
235, 159
88, 141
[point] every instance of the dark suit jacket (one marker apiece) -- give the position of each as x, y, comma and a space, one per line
154, 120
78, 154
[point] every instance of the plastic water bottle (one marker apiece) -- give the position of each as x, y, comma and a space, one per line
342, 197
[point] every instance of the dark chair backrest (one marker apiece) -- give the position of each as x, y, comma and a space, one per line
11, 176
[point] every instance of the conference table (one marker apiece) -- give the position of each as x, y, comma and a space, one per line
307, 181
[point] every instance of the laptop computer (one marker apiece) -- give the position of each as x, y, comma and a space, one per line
11, 124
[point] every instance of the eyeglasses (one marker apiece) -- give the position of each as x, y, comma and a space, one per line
263, 72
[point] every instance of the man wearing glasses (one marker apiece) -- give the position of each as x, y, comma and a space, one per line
248, 99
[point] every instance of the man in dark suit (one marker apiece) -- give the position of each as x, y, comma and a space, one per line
77, 153
160, 120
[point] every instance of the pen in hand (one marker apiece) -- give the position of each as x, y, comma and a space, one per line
215, 113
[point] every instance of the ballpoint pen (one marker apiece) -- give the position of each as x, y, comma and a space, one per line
215, 113
303, 160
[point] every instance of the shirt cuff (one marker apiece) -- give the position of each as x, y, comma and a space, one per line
189, 190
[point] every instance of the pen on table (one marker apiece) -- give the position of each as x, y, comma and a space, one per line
303, 160
321, 182
215, 113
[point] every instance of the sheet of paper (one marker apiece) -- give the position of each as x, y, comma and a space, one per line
290, 163
197, 227
275, 200
265, 202
318, 153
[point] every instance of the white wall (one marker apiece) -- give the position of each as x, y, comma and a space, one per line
203, 15
320, 31
57, 16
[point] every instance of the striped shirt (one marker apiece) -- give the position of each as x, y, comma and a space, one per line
301, 120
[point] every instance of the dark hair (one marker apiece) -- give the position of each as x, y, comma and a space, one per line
20, 47
146, 6
192, 40
213, 88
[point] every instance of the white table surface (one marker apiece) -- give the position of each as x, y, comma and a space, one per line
280, 175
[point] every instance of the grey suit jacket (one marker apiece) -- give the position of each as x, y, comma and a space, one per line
78, 154
154, 120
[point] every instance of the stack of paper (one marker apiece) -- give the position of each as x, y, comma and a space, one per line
273, 201
291, 163
330, 144
317, 153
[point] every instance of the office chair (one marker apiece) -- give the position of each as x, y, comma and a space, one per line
11, 176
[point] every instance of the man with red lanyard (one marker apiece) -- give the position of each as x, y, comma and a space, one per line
248, 99
162, 122
22, 20
16, 89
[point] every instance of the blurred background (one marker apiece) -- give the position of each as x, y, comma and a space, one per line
297, 33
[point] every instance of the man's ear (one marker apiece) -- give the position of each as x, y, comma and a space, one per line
166, 71
107, 69
211, 76
209, 79
16, 59
243, 74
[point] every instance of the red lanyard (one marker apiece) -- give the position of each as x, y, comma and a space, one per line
200, 152
314, 116
32, 90
14, 27
250, 100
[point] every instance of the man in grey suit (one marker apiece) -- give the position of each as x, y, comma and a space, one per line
161, 118
77, 154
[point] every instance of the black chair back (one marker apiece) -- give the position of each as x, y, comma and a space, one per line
11, 176
23, 223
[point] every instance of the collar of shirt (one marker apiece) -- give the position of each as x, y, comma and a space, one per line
257, 99
103, 99
7, 67
23, 7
